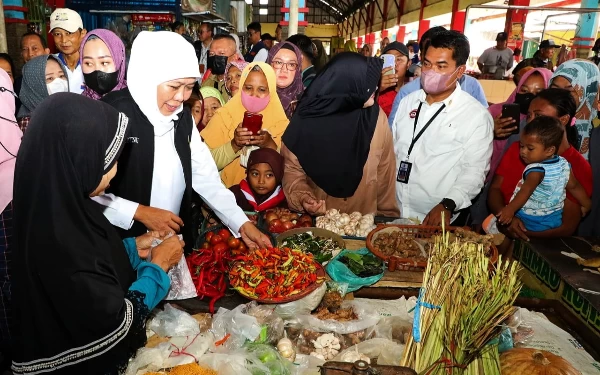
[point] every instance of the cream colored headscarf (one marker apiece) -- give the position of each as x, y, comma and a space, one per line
158, 57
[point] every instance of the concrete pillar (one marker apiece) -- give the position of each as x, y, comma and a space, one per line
586, 30
293, 26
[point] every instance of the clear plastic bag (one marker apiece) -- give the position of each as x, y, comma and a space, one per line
182, 285
270, 358
149, 359
387, 352
272, 324
367, 318
172, 322
235, 327
302, 306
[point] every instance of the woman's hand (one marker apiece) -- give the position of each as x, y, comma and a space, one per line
264, 140
503, 127
156, 219
144, 241
515, 230
168, 253
241, 137
254, 238
312, 206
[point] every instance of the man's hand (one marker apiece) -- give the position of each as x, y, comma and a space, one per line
254, 238
434, 217
156, 219
144, 241
313, 206
387, 80
515, 230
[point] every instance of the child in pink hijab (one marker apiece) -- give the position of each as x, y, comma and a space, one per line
100, 82
10, 140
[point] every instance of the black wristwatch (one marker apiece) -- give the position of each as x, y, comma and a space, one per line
449, 204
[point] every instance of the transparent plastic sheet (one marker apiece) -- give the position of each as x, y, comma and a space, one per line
387, 352
270, 358
272, 324
237, 362
177, 351
182, 286
367, 318
302, 306
521, 330
172, 322
235, 327
394, 328
307, 365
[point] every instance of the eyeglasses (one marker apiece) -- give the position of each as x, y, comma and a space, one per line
278, 64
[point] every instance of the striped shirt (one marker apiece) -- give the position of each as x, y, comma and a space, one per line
550, 194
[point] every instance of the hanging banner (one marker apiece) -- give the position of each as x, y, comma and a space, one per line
194, 6
151, 17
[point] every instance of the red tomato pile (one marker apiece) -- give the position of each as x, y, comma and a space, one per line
210, 264
281, 219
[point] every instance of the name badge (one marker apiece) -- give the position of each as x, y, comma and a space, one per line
404, 172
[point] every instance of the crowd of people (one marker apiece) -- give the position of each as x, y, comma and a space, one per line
103, 153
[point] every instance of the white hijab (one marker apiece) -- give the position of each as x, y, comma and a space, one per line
158, 57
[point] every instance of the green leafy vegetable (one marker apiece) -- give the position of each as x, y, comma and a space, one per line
321, 248
362, 265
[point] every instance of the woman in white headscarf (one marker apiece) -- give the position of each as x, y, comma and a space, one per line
166, 161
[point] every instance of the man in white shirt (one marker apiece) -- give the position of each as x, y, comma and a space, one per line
442, 137
67, 30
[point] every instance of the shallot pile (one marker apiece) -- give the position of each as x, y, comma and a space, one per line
354, 224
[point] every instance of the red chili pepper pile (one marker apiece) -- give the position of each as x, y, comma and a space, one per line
210, 264
273, 273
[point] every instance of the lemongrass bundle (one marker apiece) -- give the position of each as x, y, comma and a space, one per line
460, 310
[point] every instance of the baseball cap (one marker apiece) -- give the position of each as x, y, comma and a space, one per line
396, 46
266, 36
501, 37
548, 43
67, 19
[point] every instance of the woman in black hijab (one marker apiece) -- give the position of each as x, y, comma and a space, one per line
81, 294
338, 147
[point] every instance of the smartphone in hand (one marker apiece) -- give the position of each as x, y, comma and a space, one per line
252, 122
389, 60
513, 111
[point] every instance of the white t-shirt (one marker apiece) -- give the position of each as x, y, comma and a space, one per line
76, 81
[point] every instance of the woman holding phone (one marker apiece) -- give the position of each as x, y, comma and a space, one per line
253, 119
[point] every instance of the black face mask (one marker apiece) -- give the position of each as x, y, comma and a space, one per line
524, 100
101, 82
217, 64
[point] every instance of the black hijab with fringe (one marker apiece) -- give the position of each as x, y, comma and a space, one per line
331, 132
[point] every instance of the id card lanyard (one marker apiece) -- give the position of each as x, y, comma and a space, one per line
406, 166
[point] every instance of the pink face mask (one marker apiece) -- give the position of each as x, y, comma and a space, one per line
254, 104
433, 82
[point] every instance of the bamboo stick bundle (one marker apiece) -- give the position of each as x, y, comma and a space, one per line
460, 309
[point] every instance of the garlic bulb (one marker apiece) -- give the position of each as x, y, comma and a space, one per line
350, 230
353, 356
286, 349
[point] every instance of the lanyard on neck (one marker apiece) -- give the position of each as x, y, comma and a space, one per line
415, 139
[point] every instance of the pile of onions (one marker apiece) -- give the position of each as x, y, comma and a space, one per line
354, 224
281, 219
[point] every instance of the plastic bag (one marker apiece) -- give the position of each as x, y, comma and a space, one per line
307, 365
367, 318
270, 358
505, 341
149, 359
182, 285
387, 352
172, 322
341, 273
188, 349
237, 362
302, 306
235, 326
272, 324
395, 328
